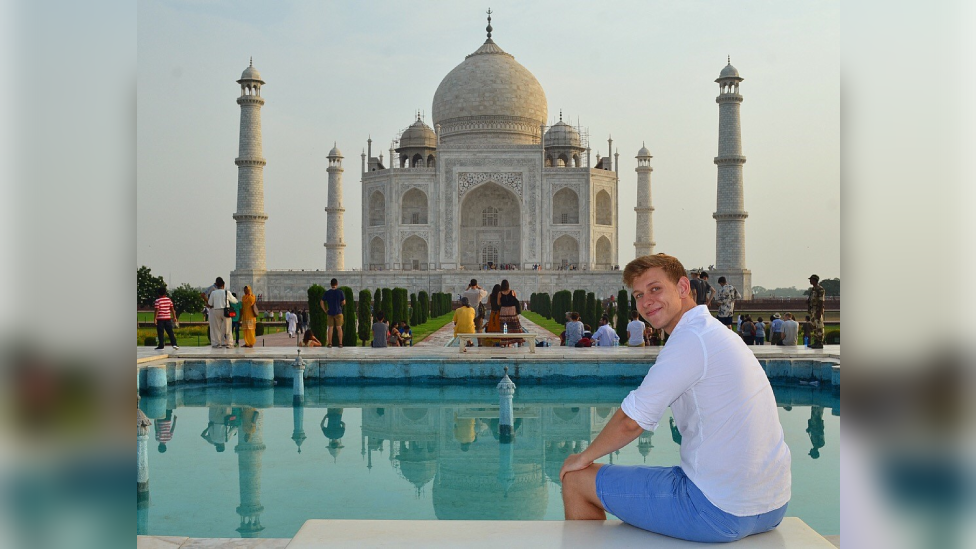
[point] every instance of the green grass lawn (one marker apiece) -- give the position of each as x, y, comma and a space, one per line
192, 336
432, 325
546, 323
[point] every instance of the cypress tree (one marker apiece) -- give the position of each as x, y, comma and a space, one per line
579, 304
424, 304
589, 315
414, 313
349, 336
365, 315
316, 316
561, 304
623, 315
545, 305
387, 303
400, 304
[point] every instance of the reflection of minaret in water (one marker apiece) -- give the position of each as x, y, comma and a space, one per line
333, 428
644, 444
815, 428
142, 474
298, 425
250, 448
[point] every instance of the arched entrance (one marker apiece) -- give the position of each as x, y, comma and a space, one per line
565, 252
414, 254
490, 220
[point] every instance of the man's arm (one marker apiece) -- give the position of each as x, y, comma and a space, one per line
322, 306
619, 432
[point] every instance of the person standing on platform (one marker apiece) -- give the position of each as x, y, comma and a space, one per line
476, 296
164, 315
726, 301
335, 299
709, 291
776, 330
219, 300
791, 330
249, 317
815, 308
207, 311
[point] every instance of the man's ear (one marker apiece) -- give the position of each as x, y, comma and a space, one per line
684, 287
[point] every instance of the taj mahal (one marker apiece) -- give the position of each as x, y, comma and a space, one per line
489, 185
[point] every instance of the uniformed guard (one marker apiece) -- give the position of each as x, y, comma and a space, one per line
815, 307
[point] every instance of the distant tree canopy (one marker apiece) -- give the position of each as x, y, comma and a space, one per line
146, 286
831, 287
186, 299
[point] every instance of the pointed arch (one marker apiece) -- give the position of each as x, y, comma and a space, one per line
413, 255
565, 207
604, 253
377, 209
377, 254
604, 211
414, 208
565, 252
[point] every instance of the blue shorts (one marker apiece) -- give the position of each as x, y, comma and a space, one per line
727, 320
665, 501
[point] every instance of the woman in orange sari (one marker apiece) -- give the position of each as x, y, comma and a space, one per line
249, 316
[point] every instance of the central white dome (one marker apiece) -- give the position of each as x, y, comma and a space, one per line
491, 98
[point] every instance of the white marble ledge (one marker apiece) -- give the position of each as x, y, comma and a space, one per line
793, 533
175, 542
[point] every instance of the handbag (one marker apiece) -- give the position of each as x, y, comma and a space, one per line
228, 310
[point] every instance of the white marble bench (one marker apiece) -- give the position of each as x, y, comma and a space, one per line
793, 533
530, 337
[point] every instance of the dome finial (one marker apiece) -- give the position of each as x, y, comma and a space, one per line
729, 59
488, 28
252, 61
560, 115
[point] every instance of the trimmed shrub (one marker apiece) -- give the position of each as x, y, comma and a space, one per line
414, 313
623, 315
365, 310
831, 337
259, 326
424, 304
400, 304
386, 303
590, 315
579, 304
316, 316
150, 341
545, 305
349, 336
561, 304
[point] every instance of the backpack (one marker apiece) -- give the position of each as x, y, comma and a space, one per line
481, 310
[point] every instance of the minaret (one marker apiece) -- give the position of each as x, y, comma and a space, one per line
644, 244
250, 450
250, 267
335, 247
730, 217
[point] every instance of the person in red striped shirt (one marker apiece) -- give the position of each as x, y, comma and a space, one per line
164, 430
164, 317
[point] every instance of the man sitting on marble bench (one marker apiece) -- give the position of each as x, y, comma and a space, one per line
734, 476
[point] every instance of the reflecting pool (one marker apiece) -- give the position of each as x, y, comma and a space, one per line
230, 462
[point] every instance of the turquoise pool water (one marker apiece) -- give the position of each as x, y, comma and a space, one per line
246, 463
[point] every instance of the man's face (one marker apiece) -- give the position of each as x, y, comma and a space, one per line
659, 299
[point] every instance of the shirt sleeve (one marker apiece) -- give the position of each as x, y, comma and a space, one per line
680, 365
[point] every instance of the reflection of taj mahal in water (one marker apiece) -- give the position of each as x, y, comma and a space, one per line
453, 454
491, 183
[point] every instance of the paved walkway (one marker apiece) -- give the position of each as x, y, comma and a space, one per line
445, 334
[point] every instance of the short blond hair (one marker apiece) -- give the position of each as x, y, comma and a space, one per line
670, 264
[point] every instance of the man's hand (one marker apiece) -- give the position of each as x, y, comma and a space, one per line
575, 462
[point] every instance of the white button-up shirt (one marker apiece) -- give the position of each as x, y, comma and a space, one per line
732, 444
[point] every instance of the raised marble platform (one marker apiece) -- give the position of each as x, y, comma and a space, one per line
793, 533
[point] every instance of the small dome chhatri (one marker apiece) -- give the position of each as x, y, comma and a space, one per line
335, 152
562, 134
729, 72
418, 135
643, 151
250, 73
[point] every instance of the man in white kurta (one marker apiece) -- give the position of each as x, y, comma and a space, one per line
734, 477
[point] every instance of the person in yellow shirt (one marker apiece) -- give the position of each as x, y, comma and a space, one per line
464, 318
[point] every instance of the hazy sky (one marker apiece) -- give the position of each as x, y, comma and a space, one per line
339, 72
